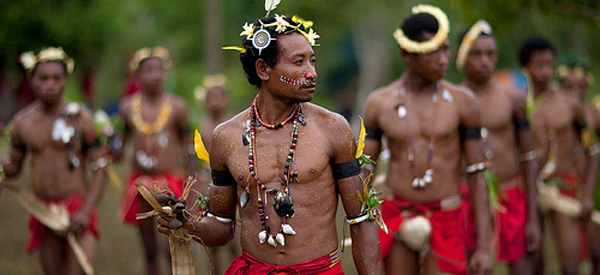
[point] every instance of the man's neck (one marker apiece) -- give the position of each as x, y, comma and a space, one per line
540, 88
478, 87
271, 109
416, 83
52, 107
153, 96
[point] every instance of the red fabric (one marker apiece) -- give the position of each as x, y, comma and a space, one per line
467, 220
511, 230
246, 264
446, 242
38, 230
570, 180
131, 205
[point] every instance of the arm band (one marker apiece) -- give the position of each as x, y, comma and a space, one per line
185, 130
91, 145
528, 156
522, 125
469, 133
594, 149
219, 218
346, 169
19, 147
475, 168
357, 220
375, 134
100, 163
222, 178
579, 126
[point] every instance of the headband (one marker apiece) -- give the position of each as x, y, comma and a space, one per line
145, 53
564, 71
481, 27
432, 44
29, 60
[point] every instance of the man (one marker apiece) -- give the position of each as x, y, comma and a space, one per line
429, 125
157, 123
287, 221
574, 80
60, 138
559, 131
508, 148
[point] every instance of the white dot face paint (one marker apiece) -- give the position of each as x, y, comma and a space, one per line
292, 81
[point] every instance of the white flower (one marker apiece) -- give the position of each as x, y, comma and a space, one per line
248, 30
281, 23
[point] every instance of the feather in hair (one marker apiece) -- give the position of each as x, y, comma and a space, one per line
271, 5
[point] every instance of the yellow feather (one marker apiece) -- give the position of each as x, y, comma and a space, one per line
361, 139
200, 149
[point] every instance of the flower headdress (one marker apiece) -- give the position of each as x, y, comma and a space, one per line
145, 53
261, 38
211, 81
29, 60
481, 27
432, 44
564, 71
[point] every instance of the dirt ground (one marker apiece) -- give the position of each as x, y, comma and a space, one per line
120, 250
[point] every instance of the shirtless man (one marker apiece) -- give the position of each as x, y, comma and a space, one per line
279, 149
429, 125
157, 123
558, 125
505, 129
574, 80
60, 138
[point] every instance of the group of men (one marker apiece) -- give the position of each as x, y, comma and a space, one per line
465, 162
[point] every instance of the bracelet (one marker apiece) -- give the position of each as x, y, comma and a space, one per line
476, 167
99, 164
219, 218
528, 156
357, 220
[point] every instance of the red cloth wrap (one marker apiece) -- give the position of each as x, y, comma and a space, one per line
571, 183
38, 230
132, 200
445, 242
510, 225
246, 264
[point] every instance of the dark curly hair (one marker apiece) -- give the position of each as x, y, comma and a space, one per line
414, 26
532, 45
269, 54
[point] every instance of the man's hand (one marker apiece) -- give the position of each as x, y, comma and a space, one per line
533, 235
79, 222
163, 225
481, 263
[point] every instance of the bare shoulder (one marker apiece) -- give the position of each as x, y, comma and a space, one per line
125, 105
463, 96
384, 93
24, 115
177, 102
324, 118
234, 125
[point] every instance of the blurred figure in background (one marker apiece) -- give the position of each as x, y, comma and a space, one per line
157, 124
60, 138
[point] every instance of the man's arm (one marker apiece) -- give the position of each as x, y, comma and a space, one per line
374, 132
473, 150
591, 168
185, 137
528, 160
365, 243
13, 163
98, 161
217, 227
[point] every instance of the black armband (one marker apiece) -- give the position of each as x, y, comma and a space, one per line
91, 145
19, 147
222, 178
346, 169
185, 130
522, 125
375, 134
579, 126
469, 133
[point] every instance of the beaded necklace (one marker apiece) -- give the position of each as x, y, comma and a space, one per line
282, 200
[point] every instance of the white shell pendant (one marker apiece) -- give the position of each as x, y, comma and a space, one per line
415, 183
287, 229
244, 198
271, 240
163, 139
262, 236
402, 111
446, 96
280, 239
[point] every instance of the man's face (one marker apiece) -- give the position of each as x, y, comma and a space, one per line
48, 81
481, 60
541, 66
432, 66
294, 76
216, 100
573, 85
151, 73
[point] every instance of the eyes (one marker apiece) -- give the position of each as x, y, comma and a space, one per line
301, 61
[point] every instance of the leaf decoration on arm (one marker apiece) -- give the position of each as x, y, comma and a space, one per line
271, 5
200, 149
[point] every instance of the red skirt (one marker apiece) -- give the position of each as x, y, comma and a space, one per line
246, 264
38, 230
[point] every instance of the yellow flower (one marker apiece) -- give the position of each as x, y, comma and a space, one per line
306, 23
248, 30
200, 149
361, 139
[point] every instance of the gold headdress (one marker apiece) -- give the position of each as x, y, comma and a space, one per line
475, 31
564, 71
29, 60
261, 38
432, 44
145, 53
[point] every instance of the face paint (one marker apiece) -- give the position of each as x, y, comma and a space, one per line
291, 81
